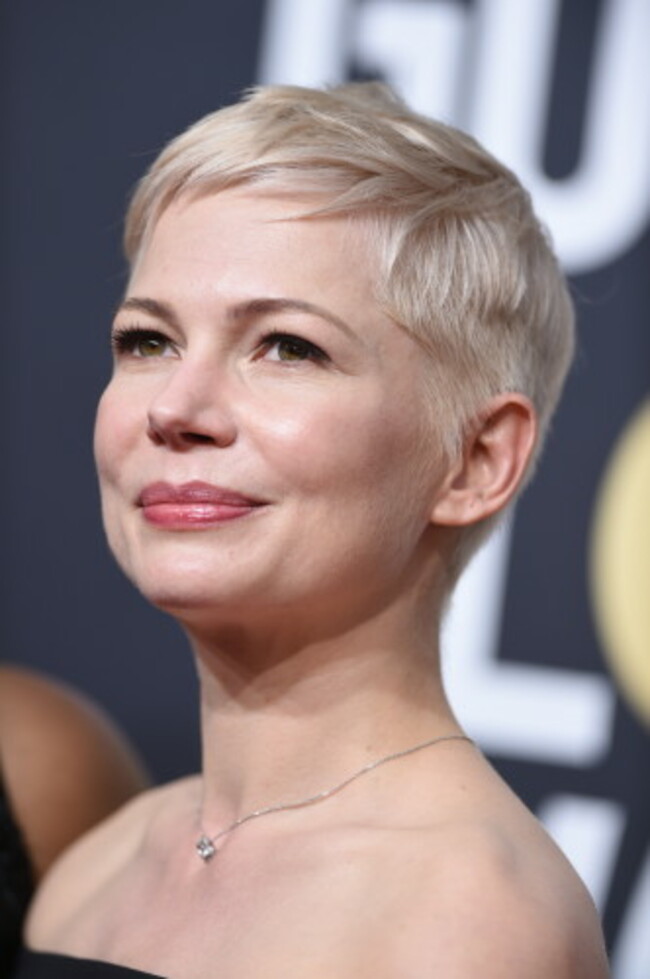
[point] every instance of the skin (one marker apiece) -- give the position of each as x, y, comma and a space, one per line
64, 764
314, 621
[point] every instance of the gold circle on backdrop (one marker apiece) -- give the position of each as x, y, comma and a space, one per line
620, 562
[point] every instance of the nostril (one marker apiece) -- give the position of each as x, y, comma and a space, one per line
155, 436
177, 429
179, 439
197, 439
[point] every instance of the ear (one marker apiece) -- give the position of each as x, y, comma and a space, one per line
491, 466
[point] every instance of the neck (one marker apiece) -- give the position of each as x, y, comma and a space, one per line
283, 720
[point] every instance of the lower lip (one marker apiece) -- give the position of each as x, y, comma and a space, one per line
186, 516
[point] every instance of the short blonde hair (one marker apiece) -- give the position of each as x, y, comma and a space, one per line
463, 263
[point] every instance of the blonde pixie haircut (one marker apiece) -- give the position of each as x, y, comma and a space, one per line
462, 263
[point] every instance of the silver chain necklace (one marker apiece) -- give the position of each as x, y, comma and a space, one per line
206, 846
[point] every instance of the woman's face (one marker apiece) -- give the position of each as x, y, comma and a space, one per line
261, 445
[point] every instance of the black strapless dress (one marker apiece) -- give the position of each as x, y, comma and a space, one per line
44, 965
16, 884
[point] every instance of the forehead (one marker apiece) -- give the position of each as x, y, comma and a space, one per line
260, 238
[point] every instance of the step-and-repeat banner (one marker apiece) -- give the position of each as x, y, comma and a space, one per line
547, 648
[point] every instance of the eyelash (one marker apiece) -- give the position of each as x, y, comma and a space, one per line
125, 341
310, 350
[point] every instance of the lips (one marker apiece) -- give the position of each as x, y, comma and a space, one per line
193, 505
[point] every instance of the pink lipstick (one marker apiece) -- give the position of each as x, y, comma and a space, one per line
193, 505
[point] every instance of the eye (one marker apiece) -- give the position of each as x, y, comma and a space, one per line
136, 341
290, 349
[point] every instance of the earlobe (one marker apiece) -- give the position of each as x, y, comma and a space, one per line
493, 462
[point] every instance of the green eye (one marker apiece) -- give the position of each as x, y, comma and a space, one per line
291, 349
142, 343
150, 346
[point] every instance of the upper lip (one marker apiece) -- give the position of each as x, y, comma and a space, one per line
194, 492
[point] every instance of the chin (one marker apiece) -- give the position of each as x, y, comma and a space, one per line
212, 588
183, 572
178, 591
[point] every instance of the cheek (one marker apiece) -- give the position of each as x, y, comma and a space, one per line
366, 445
113, 434
100, 438
115, 427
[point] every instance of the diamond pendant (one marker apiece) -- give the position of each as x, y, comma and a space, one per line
205, 848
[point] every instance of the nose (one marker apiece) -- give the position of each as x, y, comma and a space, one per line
191, 409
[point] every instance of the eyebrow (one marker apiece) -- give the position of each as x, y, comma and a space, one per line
153, 307
266, 306
252, 307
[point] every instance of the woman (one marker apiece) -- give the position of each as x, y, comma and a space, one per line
63, 768
342, 339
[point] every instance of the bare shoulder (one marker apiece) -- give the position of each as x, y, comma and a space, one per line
65, 763
468, 883
499, 902
90, 865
